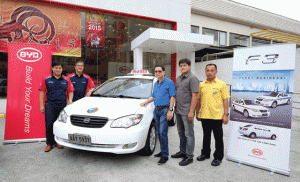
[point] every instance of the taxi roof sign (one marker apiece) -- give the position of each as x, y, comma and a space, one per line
139, 72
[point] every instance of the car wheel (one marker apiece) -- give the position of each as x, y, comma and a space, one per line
274, 105
151, 141
246, 114
288, 102
172, 122
252, 135
233, 108
273, 137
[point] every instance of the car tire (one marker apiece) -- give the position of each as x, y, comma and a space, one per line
246, 114
274, 105
173, 121
288, 102
252, 135
151, 141
273, 137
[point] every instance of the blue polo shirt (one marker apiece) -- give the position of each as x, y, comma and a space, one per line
56, 89
80, 83
163, 92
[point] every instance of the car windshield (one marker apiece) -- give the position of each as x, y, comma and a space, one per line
125, 88
272, 94
249, 102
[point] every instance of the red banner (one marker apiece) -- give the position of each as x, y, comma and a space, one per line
27, 65
94, 31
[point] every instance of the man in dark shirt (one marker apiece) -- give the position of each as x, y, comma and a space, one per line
82, 83
164, 97
58, 90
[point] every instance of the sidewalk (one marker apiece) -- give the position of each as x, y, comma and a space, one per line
2, 106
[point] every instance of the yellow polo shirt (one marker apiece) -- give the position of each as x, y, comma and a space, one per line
212, 96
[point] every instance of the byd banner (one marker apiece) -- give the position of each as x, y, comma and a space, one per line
27, 65
261, 110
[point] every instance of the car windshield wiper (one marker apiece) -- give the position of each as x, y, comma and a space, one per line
125, 96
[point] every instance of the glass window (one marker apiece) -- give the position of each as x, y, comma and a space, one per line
258, 41
195, 29
236, 39
220, 38
3, 73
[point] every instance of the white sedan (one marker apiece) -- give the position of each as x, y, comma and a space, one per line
111, 120
249, 109
257, 131
272, 99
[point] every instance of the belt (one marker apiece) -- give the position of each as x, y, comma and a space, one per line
161, 107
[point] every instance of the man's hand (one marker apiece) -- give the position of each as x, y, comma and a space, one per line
88, 94
191, 116
143, 104
70, 102
169, 115
42, 109
225, 119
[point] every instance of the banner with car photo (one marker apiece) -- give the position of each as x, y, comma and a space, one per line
261, 106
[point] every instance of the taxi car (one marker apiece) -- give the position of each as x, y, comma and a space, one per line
257, 131
249, 109
273, 99
111, 119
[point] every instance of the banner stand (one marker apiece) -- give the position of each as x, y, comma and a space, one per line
273, 170
15, 142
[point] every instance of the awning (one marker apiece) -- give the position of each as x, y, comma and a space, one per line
277, 36
170, 41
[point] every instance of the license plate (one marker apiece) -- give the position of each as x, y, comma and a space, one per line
265, 114
80, 139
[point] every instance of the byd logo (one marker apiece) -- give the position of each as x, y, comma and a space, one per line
257, 152
29, 54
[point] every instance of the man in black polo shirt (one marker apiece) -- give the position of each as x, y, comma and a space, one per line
82, 83
58, 90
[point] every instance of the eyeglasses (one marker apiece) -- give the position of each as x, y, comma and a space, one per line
159, 71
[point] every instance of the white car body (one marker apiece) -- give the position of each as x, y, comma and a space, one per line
250, 110
107, 139
257, 131
273, 99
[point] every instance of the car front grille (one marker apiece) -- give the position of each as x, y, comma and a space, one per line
259, 99
263, 110
88, 121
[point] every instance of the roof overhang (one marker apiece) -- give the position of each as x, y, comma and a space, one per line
170, 41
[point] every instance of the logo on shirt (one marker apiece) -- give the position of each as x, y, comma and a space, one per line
93, 110
29, 54
50, 82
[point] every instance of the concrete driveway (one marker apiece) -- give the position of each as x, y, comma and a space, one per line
29, 162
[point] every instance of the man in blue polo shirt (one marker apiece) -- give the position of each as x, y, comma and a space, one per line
164, 97
82, 83
59, 91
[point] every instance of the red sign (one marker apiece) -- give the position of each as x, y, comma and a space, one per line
124, 70
257, 152
94, 31
27, 65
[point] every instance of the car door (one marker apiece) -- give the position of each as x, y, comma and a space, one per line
239, 106
280, 99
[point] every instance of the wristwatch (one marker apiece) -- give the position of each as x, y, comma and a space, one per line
227, 114
170, 108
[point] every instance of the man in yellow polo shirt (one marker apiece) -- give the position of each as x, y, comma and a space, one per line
212, 111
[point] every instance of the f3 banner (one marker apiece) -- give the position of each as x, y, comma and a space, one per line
27, 65
94, 31
261, 110
30, 23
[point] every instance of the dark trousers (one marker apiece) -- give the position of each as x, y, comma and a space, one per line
215, 126
51, 114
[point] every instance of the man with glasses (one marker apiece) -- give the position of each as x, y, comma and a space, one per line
83, 84
164, 97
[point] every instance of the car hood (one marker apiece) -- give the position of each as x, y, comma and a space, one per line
266, 97
256, 107
107, 107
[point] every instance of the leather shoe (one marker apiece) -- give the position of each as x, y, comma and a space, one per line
216, 162
202, 158
186, 161
163, 160
178, 155
59, 146
48, 148
158, 155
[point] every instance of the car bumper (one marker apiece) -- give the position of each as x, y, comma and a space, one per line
259, 114
106, 139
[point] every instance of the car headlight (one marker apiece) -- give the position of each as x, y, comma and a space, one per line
255, 110
63, 116
127, 121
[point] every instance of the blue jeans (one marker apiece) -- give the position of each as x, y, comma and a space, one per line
162, 127
186, 135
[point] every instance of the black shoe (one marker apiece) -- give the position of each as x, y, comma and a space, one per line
158, 155
163, 160
186, 161
216, 162
178, 155
202, 158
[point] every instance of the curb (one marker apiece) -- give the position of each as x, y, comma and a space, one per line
2, 115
